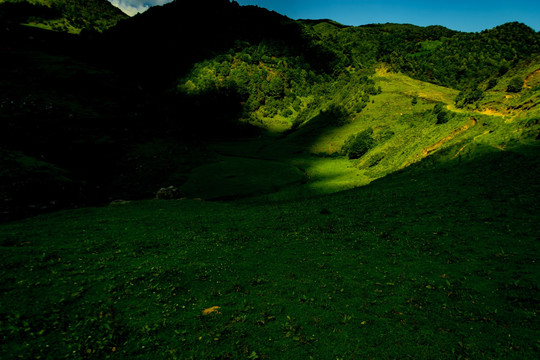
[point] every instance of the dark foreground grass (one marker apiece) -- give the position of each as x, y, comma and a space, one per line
435, 263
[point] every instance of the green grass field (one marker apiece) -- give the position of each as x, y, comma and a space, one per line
432, 262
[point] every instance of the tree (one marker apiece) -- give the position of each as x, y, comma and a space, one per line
275, 87
468, 97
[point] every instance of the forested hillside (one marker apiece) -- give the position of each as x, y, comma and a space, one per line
279, 86
434, 54
143, 105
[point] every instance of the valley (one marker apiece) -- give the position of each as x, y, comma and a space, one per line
340, 192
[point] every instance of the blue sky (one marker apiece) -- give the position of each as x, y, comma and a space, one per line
463, 15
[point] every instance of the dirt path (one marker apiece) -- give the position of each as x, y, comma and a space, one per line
438, 144
492, 112
433, 148
534, 76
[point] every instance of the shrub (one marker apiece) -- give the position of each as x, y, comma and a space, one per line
515, 85
358, 145
286, 113
360, 106
468, 97
442, 117
384, 135
438, 108
297, 104
491, 84
371, 90
503, 70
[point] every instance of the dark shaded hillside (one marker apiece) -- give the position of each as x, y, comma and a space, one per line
61, 15
87, 111
63, 122
17, 12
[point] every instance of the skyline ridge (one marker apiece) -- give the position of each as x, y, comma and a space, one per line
465, 16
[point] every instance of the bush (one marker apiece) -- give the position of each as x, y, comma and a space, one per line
503, 70
384, 135
491, 84
358, 145
442, 117
359, 106
468, 97
515, 85
438, 108
286, 113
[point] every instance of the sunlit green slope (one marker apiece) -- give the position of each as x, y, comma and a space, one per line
407, 121
409, 92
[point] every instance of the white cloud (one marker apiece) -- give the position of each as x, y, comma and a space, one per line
133, 7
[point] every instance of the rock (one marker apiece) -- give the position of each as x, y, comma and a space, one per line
168, 193
120, 202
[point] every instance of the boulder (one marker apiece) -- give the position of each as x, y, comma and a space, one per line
168, 193
119, 202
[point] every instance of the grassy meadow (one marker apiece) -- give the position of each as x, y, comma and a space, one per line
430, 262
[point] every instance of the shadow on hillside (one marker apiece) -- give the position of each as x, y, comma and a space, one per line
50, 160
313, 130
79, 108
495, 183
213, 114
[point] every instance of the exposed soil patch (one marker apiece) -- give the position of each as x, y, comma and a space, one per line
492, 112
441, 142
533, 79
